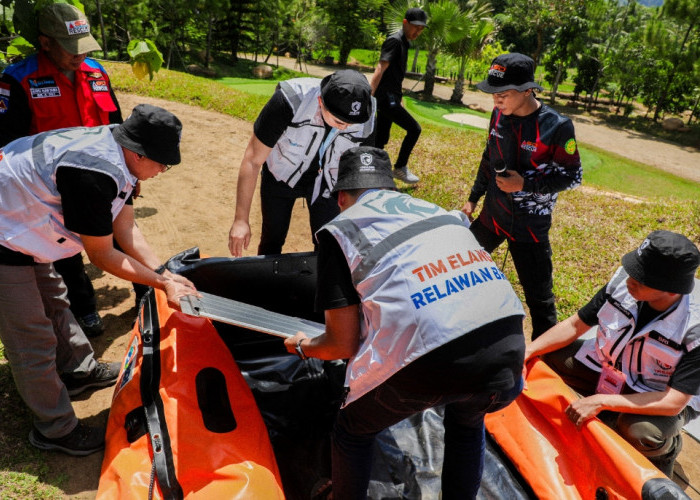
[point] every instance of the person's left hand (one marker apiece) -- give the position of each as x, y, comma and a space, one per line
514, 182
584, 409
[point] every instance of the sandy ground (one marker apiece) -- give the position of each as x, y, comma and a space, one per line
191, 205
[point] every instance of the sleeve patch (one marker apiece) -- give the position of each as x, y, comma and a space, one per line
570, 146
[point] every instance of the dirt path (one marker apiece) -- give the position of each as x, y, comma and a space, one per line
678, 160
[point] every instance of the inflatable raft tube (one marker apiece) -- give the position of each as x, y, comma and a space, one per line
183, 422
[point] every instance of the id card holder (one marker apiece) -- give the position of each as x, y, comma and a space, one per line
611, 381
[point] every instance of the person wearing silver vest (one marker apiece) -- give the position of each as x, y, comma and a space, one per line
297, 141
425, 317
61, 192
642, 367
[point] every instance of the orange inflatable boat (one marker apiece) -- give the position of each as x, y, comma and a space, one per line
183, 422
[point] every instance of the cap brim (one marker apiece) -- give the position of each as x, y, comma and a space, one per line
418, 22
365, 181
79, 45
484, 86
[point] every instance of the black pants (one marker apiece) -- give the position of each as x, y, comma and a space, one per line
277, 201
81, 293
386, 115
533, 263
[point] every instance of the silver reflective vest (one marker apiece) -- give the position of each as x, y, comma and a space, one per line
31, 215
422, 278
296, 149
650, 356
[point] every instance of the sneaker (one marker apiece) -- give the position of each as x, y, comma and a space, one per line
81, 441
104, 374
405, 175
91, 324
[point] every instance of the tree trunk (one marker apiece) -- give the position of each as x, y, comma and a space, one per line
414, 66
429, 85
555, 85
458, 92
207, 52
102, 28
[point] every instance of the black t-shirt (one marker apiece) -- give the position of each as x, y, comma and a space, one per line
395, 52
271, 123
492, 353
86, 200
686, 377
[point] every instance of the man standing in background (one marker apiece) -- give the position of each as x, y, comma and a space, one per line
386, 87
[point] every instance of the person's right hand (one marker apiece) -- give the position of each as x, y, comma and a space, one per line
468, 209
176, 289
238, 237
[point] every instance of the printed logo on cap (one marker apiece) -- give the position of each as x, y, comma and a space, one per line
77, 27
355, 108
644, 244
497, 70
366, 160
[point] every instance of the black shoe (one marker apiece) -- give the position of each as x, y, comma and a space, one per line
91, 324
81, 441
104, 374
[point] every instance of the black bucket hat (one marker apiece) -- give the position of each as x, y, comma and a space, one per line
347, 95
152, 132
364, 167
664, 261
510, 71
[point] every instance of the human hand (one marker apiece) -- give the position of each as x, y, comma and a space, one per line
290, 343
468, 209
584, 409
238, 237
511, 182
175, 290
180, 279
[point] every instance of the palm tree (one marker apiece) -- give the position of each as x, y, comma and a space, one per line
444, 28
478, 28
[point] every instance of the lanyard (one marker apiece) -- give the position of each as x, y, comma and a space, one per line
324, 146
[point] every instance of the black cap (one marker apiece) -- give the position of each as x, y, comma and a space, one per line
416, 16
664, 261
347, 95
152, 132
510, 71
364, 167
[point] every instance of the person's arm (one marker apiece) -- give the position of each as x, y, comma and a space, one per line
560, 335
253, 158
564, 169
480, 183
668, 403
137, 262
377, 75
16, 119
340, 340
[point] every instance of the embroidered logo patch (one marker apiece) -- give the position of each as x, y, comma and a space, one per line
43, 87
528, 146
366, 160
355, 108
570, 146
77, 27
99, 86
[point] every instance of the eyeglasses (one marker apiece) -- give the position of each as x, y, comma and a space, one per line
164, 167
